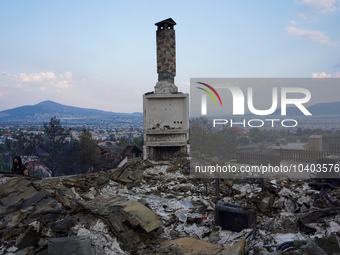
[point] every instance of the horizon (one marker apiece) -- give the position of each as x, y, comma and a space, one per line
289, 107
65, 105
103, 55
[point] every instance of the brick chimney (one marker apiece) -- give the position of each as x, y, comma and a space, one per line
166, 56
165, 111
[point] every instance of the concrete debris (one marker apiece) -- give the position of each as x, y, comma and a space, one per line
264, 201
74, 245
308, 247
330, 244
100, 234
187, 245
142, 208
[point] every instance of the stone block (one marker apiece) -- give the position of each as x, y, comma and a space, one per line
329, 244
76, 245
188, 245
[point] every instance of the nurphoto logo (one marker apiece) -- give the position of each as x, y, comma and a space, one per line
289, 97
238, 99
251, 127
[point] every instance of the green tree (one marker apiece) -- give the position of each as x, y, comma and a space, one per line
122, 144
9, 147
138, 141
89, 152
299, 131
317, 131
243, 140
83, 156
209, 141
231, 133
20, 145
256, 135
4, 167
52, 146
112, 138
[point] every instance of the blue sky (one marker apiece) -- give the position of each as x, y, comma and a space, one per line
102, 54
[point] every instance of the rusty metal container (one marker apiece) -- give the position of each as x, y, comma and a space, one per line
234, 217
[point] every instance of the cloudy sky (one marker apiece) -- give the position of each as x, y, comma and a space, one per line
102, 54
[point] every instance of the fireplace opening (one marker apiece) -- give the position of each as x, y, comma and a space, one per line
165, 153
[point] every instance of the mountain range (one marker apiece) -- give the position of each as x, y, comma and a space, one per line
332, 108
44, 111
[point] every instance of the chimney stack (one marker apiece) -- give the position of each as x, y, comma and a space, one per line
166, 56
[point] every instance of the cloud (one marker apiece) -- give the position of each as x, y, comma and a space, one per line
44, 80
312, 35
186, 83
302, 15
138, 93
64, 84
66, 75
321, 6
4, 93
6, 75
325, 75
35, 77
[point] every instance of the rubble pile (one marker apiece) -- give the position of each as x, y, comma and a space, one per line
144, 208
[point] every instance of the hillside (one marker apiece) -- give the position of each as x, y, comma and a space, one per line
332, 108
42, 112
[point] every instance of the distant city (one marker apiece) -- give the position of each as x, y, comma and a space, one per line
325, 117
109, 129
106, 128
104, 137
324, 122
70, 116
